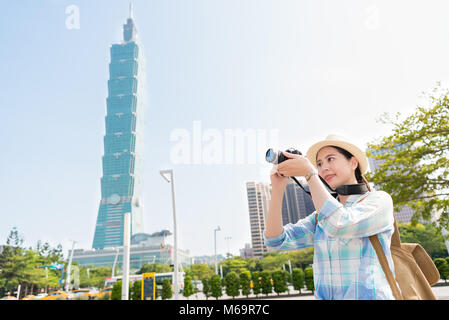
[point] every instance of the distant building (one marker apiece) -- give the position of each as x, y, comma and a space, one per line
209, 260
122, 179
296, 204
247, 251
145, 249
406, 213
259, 196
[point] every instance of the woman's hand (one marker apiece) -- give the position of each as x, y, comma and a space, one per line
278, 182
296, 166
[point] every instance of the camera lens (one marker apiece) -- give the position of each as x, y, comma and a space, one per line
270, 156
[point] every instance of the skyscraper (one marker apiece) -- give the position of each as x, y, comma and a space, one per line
121, 183
296, 204
406, 213
259, 196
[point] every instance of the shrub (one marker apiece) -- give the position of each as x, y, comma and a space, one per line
215, 286
298, 279
232, 284
279, 283
308, 274
167, 292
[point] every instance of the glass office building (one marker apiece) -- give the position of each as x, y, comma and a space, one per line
121, 183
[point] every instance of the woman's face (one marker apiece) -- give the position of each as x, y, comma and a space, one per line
334, 168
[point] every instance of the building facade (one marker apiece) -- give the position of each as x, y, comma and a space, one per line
121, 182
406, 213
296, 204
259, 196
145, 249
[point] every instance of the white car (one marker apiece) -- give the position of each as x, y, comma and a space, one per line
40, 296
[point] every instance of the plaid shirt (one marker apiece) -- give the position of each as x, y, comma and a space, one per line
345, 265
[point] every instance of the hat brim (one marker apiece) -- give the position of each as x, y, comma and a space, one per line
354, 150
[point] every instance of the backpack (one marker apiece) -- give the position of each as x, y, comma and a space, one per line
414, 269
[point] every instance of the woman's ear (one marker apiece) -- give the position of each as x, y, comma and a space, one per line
354, 163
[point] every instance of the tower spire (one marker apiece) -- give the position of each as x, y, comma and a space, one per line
131, 10
129, 30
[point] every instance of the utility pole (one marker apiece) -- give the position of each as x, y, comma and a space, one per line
126, 242
215, 248
171, 180
69, 267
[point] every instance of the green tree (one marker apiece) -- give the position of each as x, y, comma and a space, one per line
188, 287
415, 158
232, 284
267, 287
155, 267
206, 287
298, 279
254, 264
116, 293
301, 257
235, 264
426, 235
279, 281
167, 292
136, 292
257, 284
215, 286
245, 283
308, 275
201, 271
273, 260
443, 268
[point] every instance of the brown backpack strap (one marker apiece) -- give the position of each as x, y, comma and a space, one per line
395, 241
385, 267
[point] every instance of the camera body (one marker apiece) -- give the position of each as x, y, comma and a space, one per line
276, 157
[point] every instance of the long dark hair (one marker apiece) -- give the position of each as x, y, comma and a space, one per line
358, 173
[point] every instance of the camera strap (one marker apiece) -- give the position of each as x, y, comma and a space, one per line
344, 190
348, 189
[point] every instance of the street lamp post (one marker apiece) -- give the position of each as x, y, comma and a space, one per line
69, 267
126, 244
115, 260
170, 180
215, 248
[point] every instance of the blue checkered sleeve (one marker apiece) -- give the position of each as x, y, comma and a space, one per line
371, 216
294, 236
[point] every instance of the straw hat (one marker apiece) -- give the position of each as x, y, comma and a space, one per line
342, 142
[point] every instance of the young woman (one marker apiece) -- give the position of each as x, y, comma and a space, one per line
345, 265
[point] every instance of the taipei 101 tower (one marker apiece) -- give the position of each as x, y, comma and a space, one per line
121, 183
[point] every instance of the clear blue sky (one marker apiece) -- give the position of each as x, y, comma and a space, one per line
304, 68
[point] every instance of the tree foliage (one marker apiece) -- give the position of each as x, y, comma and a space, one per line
19, 265
206, 287
188, 287
414, 167
267, 287
257, 284
426, 235
167, 291
232, 282
443, 268
215, 286
298, 279
308, 276
245, 283
279, 281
